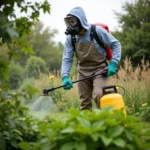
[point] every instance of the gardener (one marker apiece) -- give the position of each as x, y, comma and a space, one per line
90, 55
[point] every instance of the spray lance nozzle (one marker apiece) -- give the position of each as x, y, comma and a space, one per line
103, 73
46, 91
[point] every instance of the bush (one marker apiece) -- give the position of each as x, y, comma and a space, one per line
15, 123
35, 67
97, 130
15, 126
16, 75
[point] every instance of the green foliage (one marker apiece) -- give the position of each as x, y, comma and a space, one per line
134, 35
15, 125
3, 71
144, 113
43, 45
14, 27
35, 66
16, 75
99, 129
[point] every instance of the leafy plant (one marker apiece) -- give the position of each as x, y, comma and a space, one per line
15, 125
144, 113
16, 75
93, 130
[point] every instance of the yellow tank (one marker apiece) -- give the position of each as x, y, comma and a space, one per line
112, 99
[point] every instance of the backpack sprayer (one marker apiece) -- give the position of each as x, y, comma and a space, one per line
110, 95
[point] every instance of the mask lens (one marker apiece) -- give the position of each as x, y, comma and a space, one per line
72, 21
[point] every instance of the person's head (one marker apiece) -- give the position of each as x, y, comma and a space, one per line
76, 21
73, 25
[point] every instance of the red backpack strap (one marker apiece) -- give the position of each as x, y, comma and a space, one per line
95, 36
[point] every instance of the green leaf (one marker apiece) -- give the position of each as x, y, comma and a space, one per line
74, 112
129, 135
119, 142
106, 140
67, 130
80, 146
17, 131
2, 143
98, 126
14, 143
43, 128
68, 146
24, 146
95, 136
115, 131
12, 32
84, 123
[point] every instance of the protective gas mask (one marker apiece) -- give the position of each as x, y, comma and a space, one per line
73, 25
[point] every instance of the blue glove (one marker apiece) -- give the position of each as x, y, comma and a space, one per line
112, 68
67, 83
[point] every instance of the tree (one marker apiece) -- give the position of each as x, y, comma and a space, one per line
35, 66
41, 40
135, 26
13, 28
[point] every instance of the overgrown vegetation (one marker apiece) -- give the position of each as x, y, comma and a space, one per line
23, 78
86, 130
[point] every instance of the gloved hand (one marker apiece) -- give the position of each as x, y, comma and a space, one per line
112, 68
67, 83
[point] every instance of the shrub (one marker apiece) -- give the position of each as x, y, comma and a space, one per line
144, 113
35, 66
93, 130
15, 124
16, 75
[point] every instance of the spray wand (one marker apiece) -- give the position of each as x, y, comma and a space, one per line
104, 73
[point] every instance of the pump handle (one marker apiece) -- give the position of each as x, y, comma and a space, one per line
109, 87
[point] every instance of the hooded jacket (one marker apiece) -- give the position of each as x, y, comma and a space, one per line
104, 36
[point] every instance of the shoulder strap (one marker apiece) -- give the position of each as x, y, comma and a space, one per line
95, 36
73, 41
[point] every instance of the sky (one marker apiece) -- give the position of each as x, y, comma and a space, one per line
97, 11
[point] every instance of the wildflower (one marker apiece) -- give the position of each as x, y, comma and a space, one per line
46, 121
51, 76
145, 104
0, 89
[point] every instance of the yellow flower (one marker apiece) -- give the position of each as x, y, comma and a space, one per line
51, 76
46, 121
145, 104
0, 89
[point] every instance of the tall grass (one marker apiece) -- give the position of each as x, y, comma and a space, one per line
136, 82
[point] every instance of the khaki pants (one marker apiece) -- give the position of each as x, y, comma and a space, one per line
91, 89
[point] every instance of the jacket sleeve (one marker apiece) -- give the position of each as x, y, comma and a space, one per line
67, 59
110, 41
